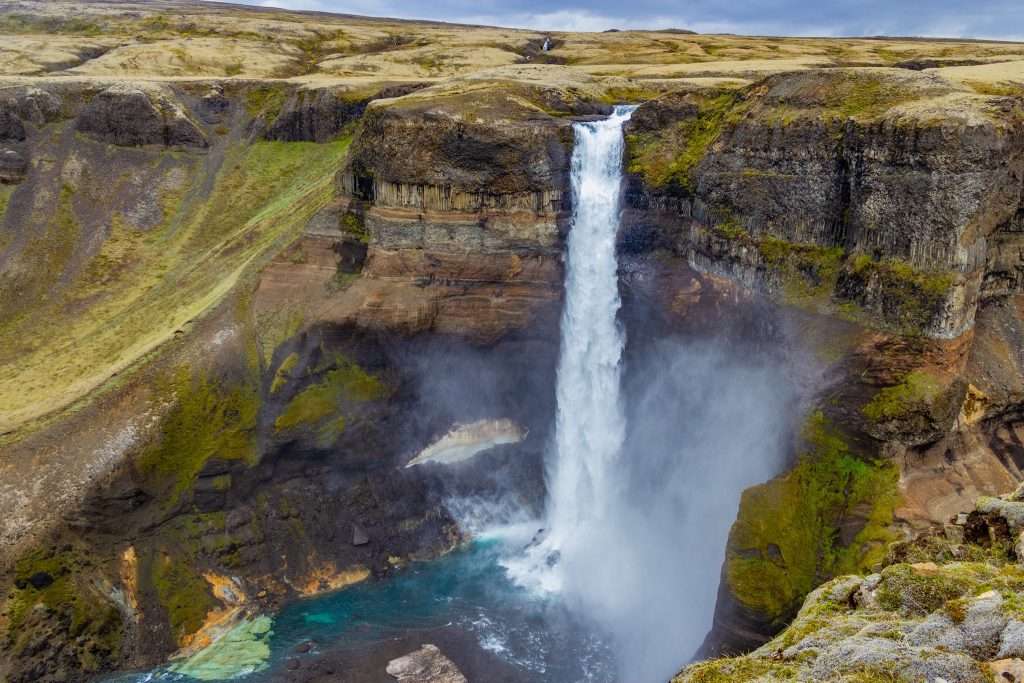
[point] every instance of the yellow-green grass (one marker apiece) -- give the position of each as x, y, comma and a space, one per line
151, 284
206, 41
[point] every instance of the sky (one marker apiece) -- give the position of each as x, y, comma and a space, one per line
1003, 19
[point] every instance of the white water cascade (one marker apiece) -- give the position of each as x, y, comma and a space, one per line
590, 424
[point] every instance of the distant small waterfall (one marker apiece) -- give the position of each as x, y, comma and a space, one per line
547, 44
590, 425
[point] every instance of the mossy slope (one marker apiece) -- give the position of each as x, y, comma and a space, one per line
787, 539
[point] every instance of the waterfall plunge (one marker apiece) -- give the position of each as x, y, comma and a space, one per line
590, 424
646, 471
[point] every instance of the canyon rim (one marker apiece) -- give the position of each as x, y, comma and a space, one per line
361, 349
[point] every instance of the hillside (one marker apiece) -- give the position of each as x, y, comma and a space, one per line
242, 250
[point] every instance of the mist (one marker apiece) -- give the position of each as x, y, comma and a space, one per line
704, 422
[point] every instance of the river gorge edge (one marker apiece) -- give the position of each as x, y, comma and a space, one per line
445, 224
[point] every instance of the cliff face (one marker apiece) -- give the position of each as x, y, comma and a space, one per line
888, 201
882, 191
259, 456
461, 197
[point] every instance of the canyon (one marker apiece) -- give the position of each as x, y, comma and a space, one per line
253, 263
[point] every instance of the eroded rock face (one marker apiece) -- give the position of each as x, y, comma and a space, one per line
462, 212
320, 114
925, 184
129, 115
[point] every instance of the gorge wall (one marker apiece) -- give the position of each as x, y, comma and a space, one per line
346, 246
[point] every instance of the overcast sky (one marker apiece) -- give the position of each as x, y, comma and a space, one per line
952, 18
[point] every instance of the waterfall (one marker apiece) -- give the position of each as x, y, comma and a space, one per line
590, 425
547, 44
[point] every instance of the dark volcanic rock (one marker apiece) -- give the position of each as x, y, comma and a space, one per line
130, 116
11, 127
316, 115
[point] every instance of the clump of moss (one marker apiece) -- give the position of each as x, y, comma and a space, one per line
808, 271
920, 592
283, 372
183, 593
51, 579
730, 228
345, 383
918, 390
669, 158
909, 297
737, 669
5, 197
354, 225
265, 101
207, 420
785, 539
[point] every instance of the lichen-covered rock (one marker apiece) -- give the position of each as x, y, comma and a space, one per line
125, 114
920, 622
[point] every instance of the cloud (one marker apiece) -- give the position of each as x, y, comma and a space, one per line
949, 18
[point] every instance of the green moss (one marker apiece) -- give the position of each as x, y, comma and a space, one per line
346, 383
629, 94
265, 101
354, 225
669, 158
88, 615
5, 198
183, 593
808, 272
273, 328
920, 592
282, 375
918, 390
785, 539
731, 228
912, 297
27, 23
207, 420
729, 670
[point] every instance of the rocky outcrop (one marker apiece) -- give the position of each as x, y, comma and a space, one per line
426, 665
321, 114
947, 607
131, 115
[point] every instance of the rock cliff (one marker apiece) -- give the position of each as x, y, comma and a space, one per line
227, 291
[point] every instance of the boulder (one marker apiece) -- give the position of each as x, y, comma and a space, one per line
426, 665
